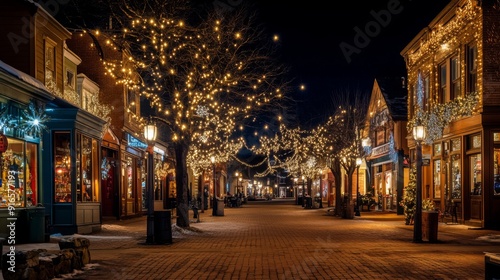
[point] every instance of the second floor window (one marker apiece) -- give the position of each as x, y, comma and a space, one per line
50, 61
471, 68
449, 79
454, 78
426, 90
132, 101
442, 83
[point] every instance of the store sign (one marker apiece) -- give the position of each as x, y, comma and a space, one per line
135, 143
159, 151
3, 143
381, 150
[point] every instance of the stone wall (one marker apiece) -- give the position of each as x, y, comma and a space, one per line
43, 264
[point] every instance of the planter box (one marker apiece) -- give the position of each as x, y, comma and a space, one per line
430, 225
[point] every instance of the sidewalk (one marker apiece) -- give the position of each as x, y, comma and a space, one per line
279, 240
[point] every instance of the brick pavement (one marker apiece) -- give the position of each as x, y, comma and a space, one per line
279, 240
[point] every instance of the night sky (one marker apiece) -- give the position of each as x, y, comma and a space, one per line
312, 33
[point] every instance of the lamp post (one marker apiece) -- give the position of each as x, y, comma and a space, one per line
214, 202
296, 190
418, 135
150, 132
236, 174
303, 192
240, 185
358, 163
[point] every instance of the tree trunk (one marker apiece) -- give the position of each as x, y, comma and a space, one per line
181, 181
337, 177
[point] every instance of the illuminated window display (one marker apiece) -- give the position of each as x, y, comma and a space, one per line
62, 165
87, 169
475, 176
18, 182
437, 178
496, 171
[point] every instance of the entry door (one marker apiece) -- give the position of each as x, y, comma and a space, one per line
476, 201
109, 187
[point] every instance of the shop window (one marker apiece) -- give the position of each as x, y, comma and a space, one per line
437, 149
62, 165
455, 145
87, 169
437, 178
456, 186
496, 137
475, 174
496, 171
129, 178
474, 142
18, 181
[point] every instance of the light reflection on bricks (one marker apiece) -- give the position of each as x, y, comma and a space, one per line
277, 240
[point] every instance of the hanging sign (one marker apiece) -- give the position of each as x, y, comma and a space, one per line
3, 143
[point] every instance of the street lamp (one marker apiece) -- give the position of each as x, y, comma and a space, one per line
150, 132
240, 185
358, 163
236, 174
418, 135
214, 203
303, 192
296, 190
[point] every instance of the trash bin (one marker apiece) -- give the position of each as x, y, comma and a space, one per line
300, 201
491, 266
35, 217
430, 225
163, 227
220, 207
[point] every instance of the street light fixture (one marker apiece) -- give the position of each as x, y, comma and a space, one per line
214, 202
150, 131
358, 163
418, 135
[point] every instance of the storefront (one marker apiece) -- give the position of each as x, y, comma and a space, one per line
72, 169
110, 170
133, 187
22, 118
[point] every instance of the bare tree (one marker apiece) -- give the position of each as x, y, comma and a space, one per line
204, 74
339, 138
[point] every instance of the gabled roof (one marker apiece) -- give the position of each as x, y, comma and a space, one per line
394, 90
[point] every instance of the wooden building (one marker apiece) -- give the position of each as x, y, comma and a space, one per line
455, 58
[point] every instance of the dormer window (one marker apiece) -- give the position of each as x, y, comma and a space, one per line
70, 78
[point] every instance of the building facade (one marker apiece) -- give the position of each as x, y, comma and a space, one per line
385, 171
69, 174
450, 63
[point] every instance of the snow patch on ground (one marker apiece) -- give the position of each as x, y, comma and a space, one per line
76, 272
490, 238
179, 232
